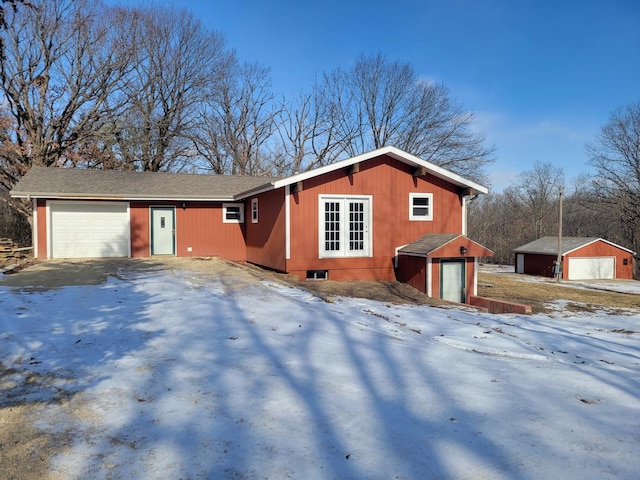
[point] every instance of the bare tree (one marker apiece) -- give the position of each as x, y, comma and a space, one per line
13, 5
535, 197
521, 213
64, 60
312, 130
491, 221
237, 122
615, 155
378, 103
177, 60
11, 165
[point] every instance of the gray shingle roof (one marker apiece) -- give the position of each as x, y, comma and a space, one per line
430, 242
549, 245
81, 183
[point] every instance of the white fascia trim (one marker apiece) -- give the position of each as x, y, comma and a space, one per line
586, 244
617, 246
48, 223
256, 191
594, 241
392, 152
475, 276
174, 199
129, 228
34, 230
129, 199
464, 216
287, 222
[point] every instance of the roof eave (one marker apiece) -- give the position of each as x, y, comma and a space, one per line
393, 152
567, 251
255, 191
152, 198
599, 240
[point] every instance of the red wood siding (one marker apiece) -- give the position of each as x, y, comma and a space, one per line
452, 249
435, 278
140, 229
199, 225
603, 249
345, 268
535, 264
471, 272
266, 239
42, 228
389, 182
413, 271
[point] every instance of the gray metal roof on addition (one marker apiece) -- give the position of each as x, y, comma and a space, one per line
118, 184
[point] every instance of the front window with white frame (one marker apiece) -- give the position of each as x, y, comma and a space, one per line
232, 213
344, 226
421, 206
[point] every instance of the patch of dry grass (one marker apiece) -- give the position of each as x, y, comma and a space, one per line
25, 451
388, 292
538, 294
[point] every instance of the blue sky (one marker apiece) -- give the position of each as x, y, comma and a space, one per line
541, 76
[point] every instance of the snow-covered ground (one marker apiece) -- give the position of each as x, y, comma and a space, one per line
176, 374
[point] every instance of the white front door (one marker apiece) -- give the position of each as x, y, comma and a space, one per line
520, 263
345, 226
452, 280
358, 228
163, 230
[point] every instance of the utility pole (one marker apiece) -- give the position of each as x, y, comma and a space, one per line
558, 265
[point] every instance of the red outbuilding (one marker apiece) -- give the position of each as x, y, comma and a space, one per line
582, 258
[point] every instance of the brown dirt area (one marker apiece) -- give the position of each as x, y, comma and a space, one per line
25, 451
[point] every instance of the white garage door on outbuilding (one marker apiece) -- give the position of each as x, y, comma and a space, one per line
80, 229
591, 268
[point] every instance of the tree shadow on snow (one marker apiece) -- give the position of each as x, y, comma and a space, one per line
183, 374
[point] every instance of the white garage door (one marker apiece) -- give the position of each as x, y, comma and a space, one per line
88, 229
591, 268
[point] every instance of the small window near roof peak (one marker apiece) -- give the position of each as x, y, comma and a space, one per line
421, 206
